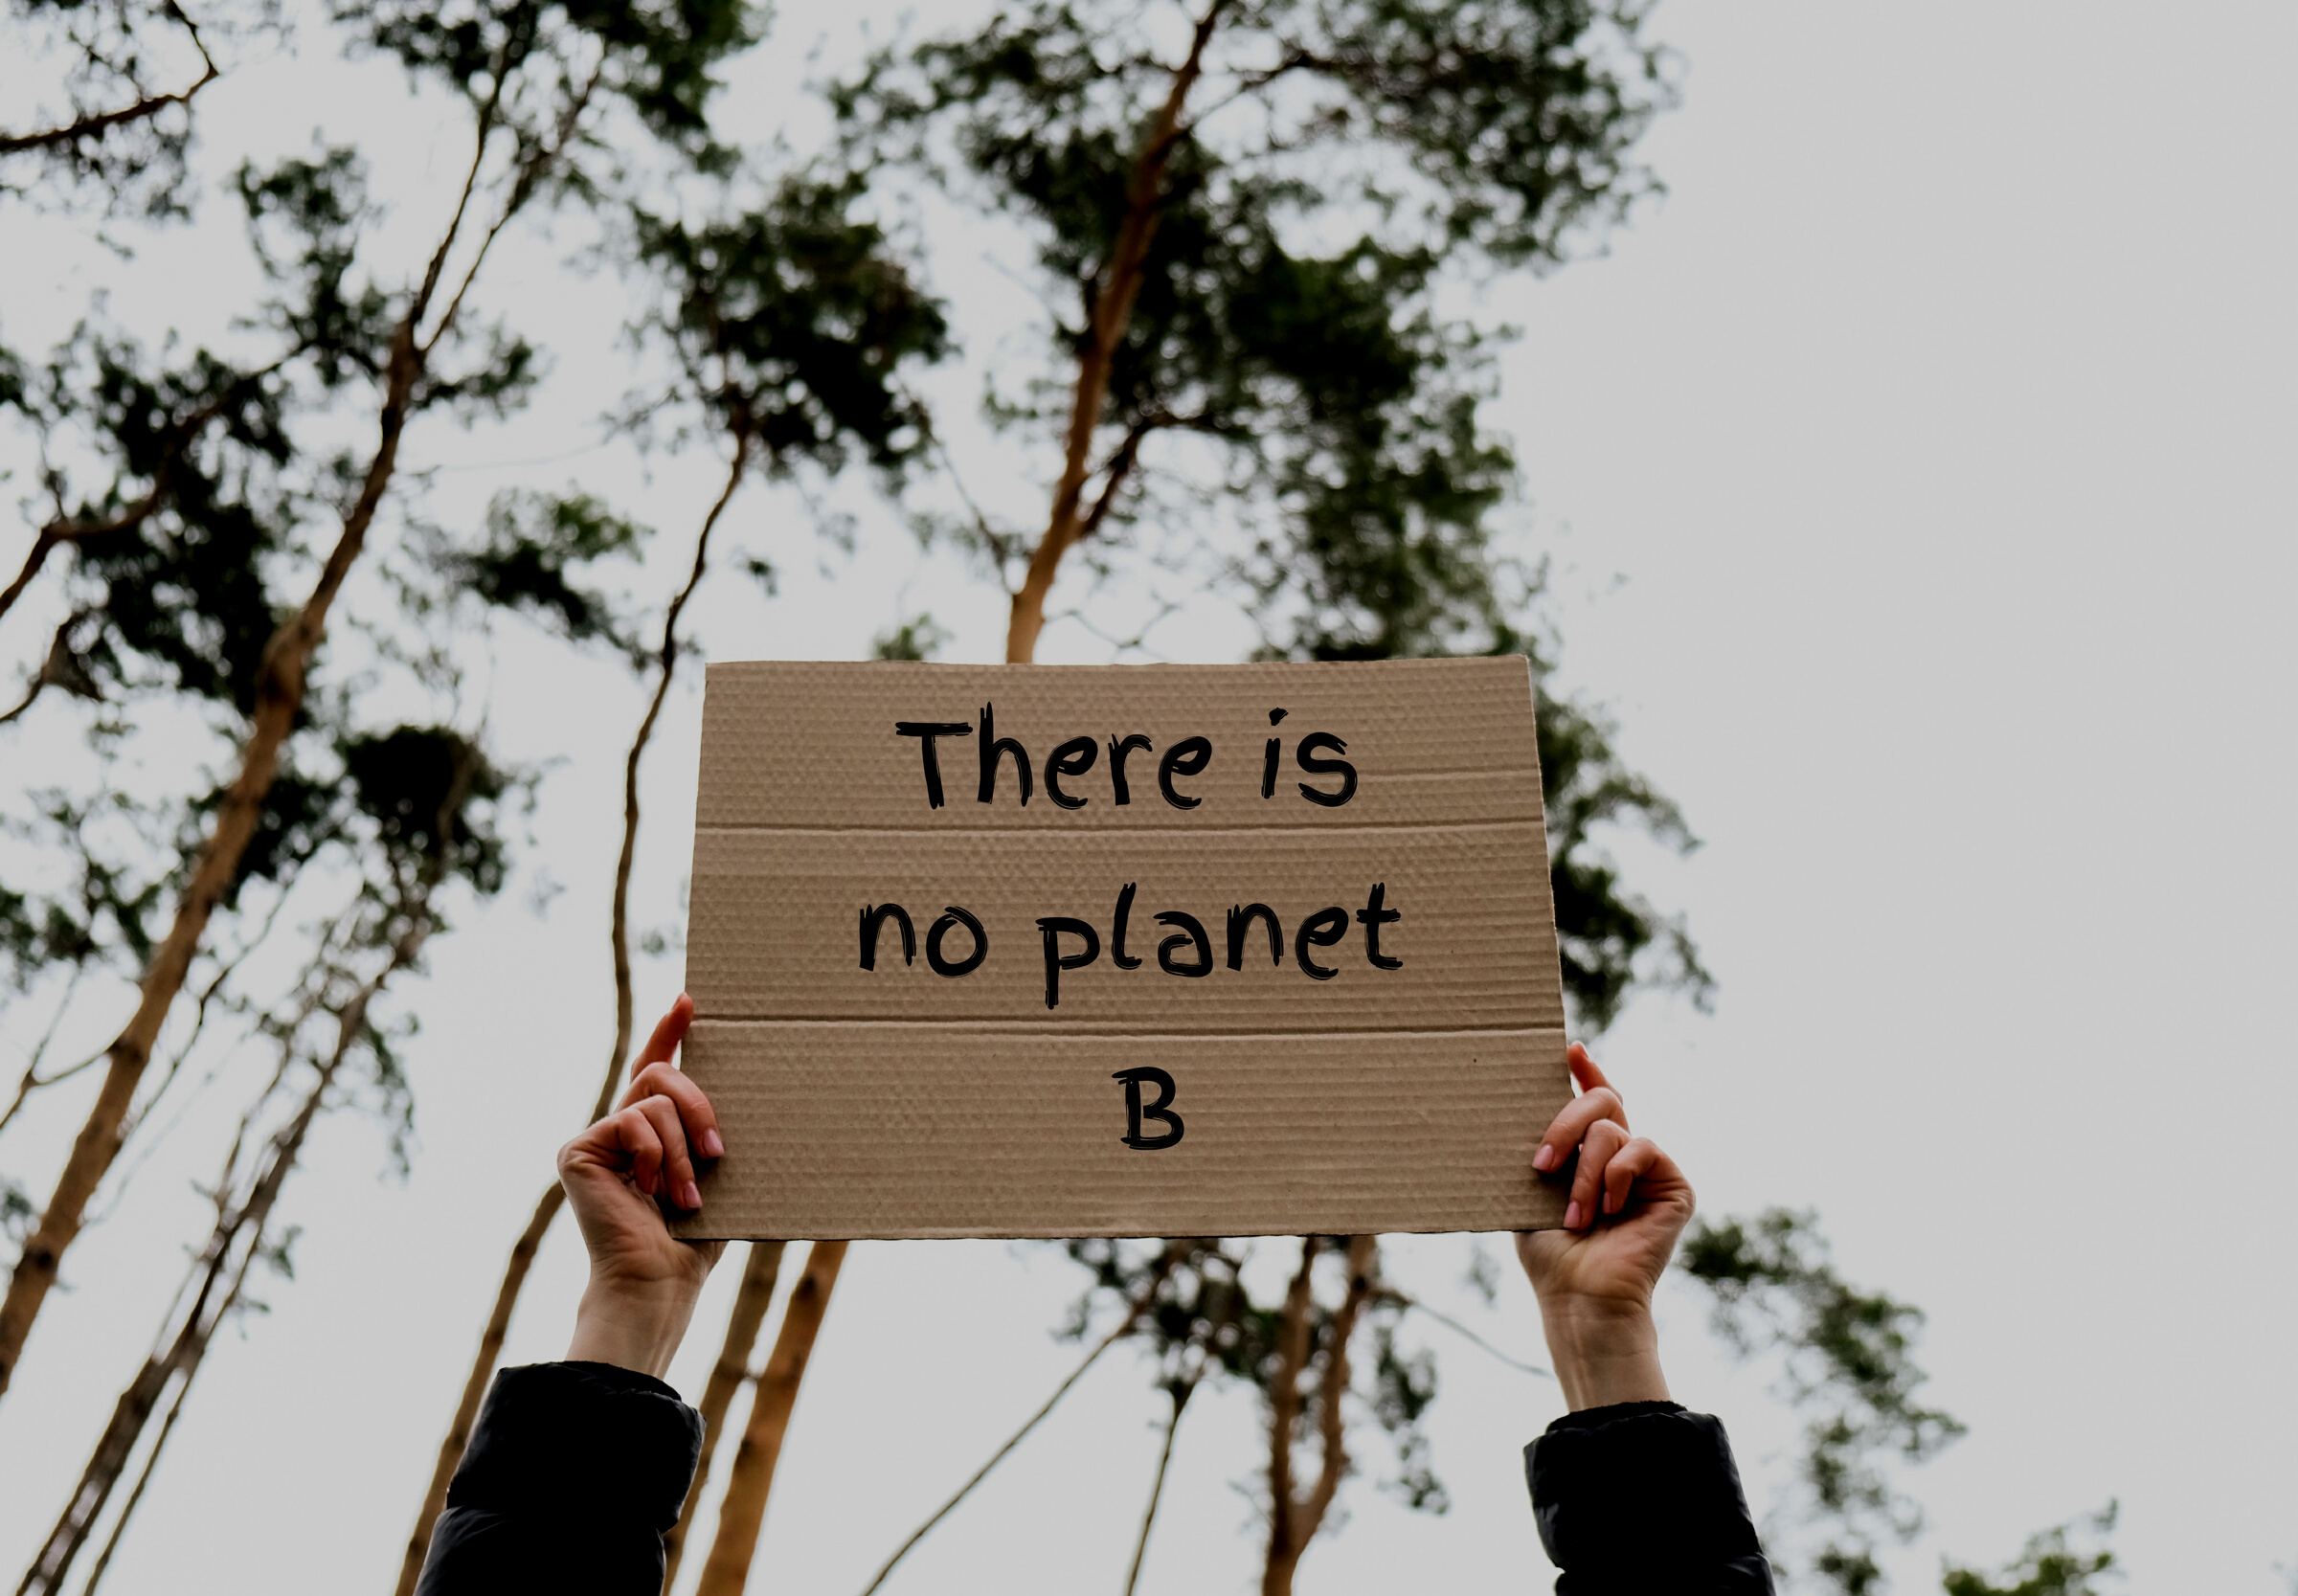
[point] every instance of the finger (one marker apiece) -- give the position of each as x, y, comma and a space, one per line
1572, 1123
1584, 1070
1628, 1165
1605, 1138
635, 1134
668, 1031
678, 1165
701, 1120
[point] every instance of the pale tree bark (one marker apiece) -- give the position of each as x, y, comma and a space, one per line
182, 1358
1294, 1520
1109, 311
279, 699
742, 1510
546, 1206
727, 1375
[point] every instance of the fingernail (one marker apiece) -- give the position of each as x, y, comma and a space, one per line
689, 1196
1545, 1160
1572, 1217
713, 1144
1611, 1204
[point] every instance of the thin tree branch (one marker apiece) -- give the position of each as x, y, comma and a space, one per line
250, 1217
1156, 1489
726, 1377
545, 1209
522, 189
278, 701
159, 1444
1140, 1305
1464, 1332
96, 126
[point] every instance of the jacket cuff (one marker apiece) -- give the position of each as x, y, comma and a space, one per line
580, 1440
1639, 1491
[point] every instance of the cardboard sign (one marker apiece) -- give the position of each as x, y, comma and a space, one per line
1135, 951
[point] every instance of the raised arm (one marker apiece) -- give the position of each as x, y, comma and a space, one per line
1631, 1493
576, 1470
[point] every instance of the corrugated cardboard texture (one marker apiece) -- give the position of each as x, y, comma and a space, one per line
895, 1101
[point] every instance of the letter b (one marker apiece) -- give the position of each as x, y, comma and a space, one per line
1159, 1110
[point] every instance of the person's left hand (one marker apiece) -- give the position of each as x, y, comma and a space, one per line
618, 1176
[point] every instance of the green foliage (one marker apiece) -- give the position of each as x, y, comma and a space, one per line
1335, 170
16, 1213
2049, 1565
99, 913
1604, 928
186, 512
793, 321
1203, 1322
920, 638
412, 781
1335, 163
1849, 1364
126, 73
520, 62
532, 544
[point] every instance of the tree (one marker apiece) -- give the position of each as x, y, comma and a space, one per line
1847, 1360
1259, 211
414, 791
1255, 208
2049, 1564
791, 325
537, 82
126, 74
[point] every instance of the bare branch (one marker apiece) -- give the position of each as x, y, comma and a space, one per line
1140, 1305
96, 126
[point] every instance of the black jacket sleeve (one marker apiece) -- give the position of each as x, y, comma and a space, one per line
573, 1475
1643, 1497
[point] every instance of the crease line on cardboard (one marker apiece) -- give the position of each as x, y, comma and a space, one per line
1025, 1028
1097, 830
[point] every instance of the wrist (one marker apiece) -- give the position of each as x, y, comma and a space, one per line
1604, 1353
631, 1326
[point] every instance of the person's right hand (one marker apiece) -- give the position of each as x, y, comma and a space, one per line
1595, 1276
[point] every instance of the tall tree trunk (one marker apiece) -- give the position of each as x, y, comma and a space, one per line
743, 1508
182, 1359
545, 1208
1109, 311
278, 698
750, 1301
1295, 1520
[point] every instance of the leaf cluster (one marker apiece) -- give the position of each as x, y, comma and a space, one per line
1201, 1320
793, 318
1335, 165
128, 72
1849, 1356
523, 62
2050, 1564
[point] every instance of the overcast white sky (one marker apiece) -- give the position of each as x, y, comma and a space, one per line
1918, 479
